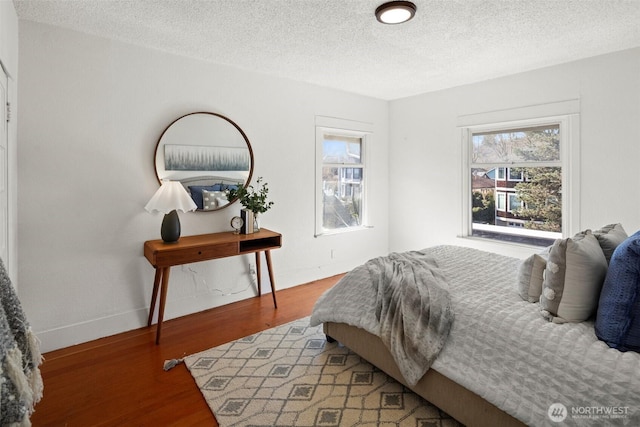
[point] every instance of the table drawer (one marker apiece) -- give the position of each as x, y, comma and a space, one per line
195, 254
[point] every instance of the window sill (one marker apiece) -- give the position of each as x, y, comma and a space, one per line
343, 230
512, 249
531, 240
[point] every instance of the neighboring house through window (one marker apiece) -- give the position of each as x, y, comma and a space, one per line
341, 175
534, 166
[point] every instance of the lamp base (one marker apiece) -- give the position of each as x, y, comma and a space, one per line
170, 230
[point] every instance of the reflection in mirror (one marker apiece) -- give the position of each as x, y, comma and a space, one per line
208, 153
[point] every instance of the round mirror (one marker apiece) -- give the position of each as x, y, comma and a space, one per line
208, 153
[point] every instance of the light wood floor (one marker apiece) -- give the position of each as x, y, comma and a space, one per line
120, 381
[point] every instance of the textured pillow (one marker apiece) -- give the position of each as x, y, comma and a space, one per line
573, 278
609, 237
213, 199
196, 193
531, 276
618, 319
209, 200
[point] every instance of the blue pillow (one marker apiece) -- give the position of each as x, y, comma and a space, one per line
618, 318
196, 193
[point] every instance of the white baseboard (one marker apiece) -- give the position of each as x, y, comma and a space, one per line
66, 336
79, 333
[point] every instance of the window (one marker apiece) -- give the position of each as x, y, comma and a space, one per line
515, 174
534, 174
514, 202
341, 171
501, 201
528, 201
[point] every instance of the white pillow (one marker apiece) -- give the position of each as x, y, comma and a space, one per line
531, 276
575, 271
221, 198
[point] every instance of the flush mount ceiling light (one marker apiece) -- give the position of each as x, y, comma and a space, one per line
395, 12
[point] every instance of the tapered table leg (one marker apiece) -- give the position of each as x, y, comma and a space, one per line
258, 273
267, 255
154, 295
163, 299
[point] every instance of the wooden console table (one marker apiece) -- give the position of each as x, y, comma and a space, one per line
205, 247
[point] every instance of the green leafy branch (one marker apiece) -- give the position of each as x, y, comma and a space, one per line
253, 199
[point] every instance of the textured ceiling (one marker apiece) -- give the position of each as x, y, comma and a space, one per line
339, 43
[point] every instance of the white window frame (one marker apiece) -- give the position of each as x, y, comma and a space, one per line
503, 196
509, 197
510, 178
564, 113
348, 128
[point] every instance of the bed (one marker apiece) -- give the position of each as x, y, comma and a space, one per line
501, 362
20, 380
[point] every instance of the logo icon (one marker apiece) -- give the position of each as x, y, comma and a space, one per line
557, 412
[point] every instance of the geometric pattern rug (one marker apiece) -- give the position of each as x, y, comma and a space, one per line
291, 376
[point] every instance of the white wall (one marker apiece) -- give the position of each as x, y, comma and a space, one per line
9, 61
425, 159
9, 37
91, 112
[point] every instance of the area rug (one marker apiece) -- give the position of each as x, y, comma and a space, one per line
291, 376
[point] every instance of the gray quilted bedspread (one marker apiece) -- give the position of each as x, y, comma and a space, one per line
501, 348
402, 298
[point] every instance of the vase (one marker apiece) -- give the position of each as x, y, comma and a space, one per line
170, 229
256, 224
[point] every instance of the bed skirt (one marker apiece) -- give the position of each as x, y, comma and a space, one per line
454, 399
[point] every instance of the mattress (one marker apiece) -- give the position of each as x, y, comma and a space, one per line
501, 348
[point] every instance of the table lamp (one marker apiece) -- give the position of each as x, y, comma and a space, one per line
170, 197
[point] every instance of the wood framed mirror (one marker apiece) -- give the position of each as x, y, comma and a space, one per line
208, 153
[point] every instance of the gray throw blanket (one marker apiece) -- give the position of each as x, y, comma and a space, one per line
402, 298
20, 381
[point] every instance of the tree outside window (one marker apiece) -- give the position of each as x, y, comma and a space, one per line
526, 168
